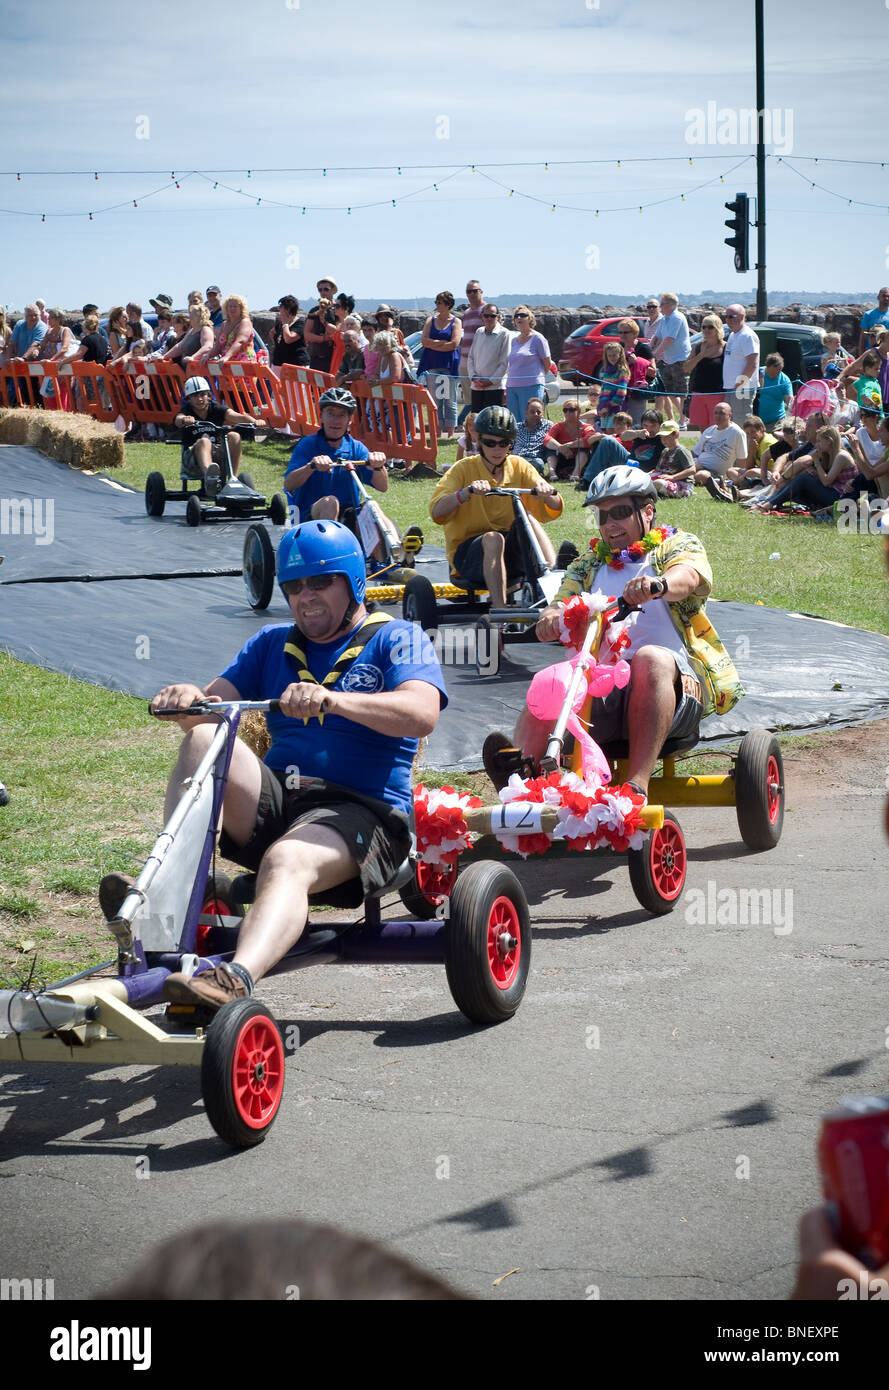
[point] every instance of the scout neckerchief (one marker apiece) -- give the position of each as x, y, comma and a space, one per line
358, 641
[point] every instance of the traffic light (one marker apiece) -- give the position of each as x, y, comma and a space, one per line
740, 225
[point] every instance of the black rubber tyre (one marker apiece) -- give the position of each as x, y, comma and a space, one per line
487, 977
220, 890
193, 510
759, 790
279, 513
417, 904
657, 870
258, 565
247, 480
155, 494
242, 1072
419, 604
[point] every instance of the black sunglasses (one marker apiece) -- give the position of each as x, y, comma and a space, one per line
520, 316
618, 513
314, 583
493, 443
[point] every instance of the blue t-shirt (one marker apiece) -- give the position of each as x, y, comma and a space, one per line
335, 482
24, 337
873, 317
771, 398
340, 750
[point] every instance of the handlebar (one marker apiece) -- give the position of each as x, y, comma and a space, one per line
220, 707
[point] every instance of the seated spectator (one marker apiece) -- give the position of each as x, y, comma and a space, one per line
286, 341
640, 360
881, 348
717, 450
234, 336
704, 366
351, 368
566, 449
674, 474
759, 441
487, 360
117, 331
869, 447
590, 412
775, 391
832, 476
867, 387
614, 379
846, 415
788, 465
468, 442
531, 433
645, 445
610, 450
27, 335
835, 357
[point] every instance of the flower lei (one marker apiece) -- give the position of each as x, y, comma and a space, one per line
604, 554
440, 820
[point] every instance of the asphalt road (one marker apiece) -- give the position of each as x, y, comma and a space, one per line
644, 1128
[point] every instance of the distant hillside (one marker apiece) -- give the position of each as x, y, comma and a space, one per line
744, 294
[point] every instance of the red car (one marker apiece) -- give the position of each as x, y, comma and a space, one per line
582, 350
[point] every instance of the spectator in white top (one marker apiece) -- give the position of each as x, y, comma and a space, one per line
654, 318
472, 322
671, 344
717, 450
488, 359
740, 365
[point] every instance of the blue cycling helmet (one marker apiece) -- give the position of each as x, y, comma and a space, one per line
322, 547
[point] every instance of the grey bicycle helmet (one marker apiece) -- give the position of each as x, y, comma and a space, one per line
337, 395
498, 421
621, 481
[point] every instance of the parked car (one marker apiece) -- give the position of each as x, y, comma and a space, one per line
582, 350
800, 344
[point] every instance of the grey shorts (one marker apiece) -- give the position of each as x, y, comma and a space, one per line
376, 834
609, 716
674, 378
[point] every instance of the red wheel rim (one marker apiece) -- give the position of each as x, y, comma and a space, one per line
504, 942
773, 789
668, 860
258, 1072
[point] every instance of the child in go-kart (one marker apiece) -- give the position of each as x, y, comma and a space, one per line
680, 669
201, 420
480, 532
320, 490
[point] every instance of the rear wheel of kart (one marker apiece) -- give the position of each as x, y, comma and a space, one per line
430, 881
258, 566
419, 604
194, 512
657, 870
155, 494
278, 511
219, 897
242, 1072
488, 943
759, 790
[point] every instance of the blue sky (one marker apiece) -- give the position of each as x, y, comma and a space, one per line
287, 84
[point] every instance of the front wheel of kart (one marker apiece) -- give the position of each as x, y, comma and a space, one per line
657, 870
194, 512
258, 565
419, 604
759, 790
155, 494
279, 513
242, 1072
488, 943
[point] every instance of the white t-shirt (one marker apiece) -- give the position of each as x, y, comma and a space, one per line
872, 449
649, 326
738, 348
717, 449
650, 625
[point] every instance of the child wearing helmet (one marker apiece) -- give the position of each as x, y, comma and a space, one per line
480, 537
326, 813
680, 669
199, 418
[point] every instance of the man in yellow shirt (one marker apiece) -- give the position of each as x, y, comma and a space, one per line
480, 532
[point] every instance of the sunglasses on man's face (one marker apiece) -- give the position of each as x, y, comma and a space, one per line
313, 583
618, 513
493, 443
489, 316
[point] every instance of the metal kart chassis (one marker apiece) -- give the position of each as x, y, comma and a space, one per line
98, 1020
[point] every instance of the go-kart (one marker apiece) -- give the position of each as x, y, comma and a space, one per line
235, 499
368, 525
183, 915
754, 785
533, 592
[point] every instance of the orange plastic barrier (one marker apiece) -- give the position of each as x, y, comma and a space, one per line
251, 389
94, 392
25, 380
400, 421
302, 387
147, 392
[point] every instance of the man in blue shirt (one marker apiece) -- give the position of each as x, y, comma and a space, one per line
874, 318
317, 487
27, 335
326, 813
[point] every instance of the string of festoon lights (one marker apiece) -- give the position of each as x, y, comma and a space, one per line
217, 179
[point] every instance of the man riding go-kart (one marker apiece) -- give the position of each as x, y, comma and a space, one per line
680, 669
321, 488
483, 541
205, 445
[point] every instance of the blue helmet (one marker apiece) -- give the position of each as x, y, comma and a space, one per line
322, 547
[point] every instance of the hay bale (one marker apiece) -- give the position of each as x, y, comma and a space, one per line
77, 440
254, 731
